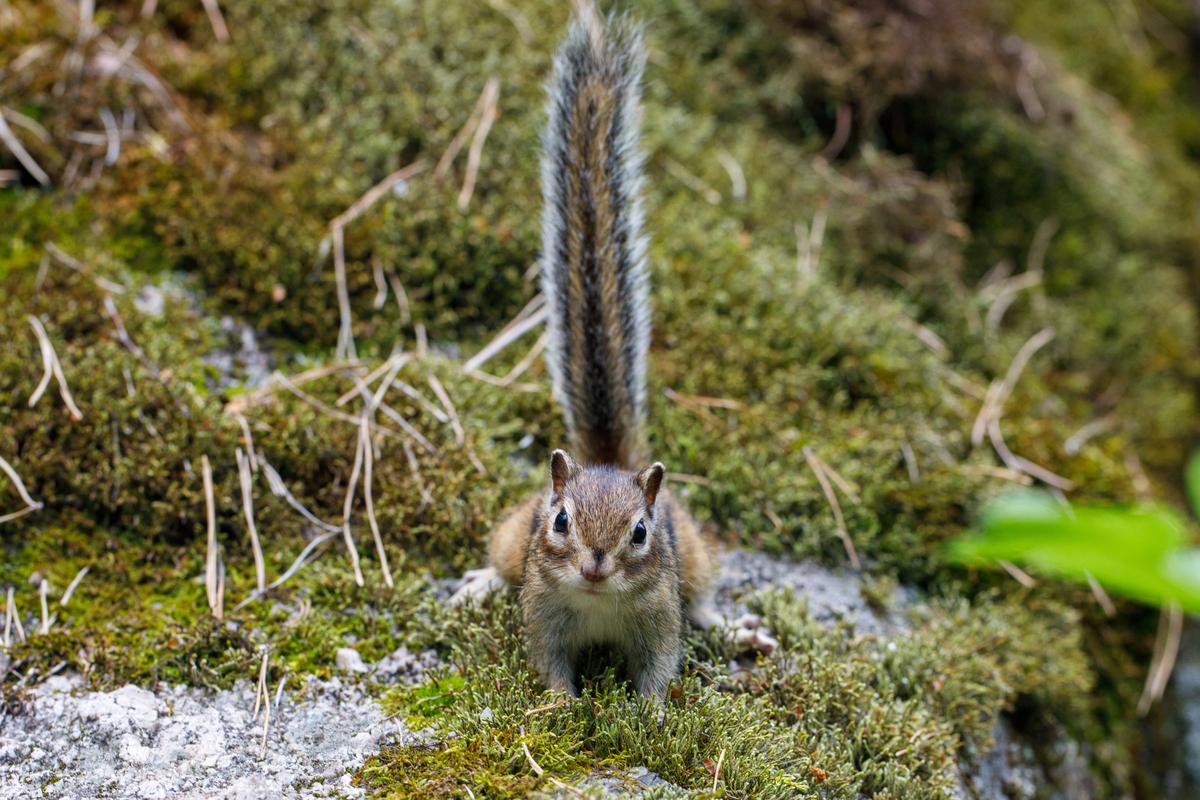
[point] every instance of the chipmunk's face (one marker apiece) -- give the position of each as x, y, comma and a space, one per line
601, 534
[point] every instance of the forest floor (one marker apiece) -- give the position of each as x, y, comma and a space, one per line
272, 370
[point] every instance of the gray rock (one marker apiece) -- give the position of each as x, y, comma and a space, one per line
178, 742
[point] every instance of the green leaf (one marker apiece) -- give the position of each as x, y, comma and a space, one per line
1137, 552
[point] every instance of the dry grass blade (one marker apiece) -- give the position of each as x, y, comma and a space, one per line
244, 477
510, 334
415, 468
537, 770
692, 181
1019, 575
717, 771
373, 195
279, 489
368, 462
47, 366
19, 152
73, 585
43, 590
241, 403
401, 296
64, 391
325, 408
12, 619
260, 688
8, 615
216, 19
910, 461
296, 566
1102, 599
809, 240
380, 371
1166, 650
345, 342
927, 337
70, 262
31, 505
998, 393
522, 366
460, 435
710, 419
848, 489
737, 177
1016, 462
247, 441
210, 563
347, 507
1097, 427
490, 99
519, 21
816, 466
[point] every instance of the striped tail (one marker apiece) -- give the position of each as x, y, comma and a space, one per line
593, 253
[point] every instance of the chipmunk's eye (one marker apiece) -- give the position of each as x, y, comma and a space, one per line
560, 522
639, 533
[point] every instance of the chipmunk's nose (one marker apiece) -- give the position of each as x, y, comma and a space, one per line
595, 571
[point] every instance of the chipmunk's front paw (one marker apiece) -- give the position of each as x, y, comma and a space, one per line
749, 632
476, 585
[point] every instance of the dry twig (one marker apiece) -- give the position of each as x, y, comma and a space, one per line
31, 505
817, 466
66, 598
244, 477
211, 578
49, 354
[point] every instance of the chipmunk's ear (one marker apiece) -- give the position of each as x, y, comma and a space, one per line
562, 469
650, 480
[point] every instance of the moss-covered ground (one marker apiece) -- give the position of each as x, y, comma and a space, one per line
860, 214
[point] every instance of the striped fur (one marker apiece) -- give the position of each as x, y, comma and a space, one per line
593, 263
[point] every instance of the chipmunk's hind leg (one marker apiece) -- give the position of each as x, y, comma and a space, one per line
745, 631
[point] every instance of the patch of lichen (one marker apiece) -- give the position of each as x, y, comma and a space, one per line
850, 714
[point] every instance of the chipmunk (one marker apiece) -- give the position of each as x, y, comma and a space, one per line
605, 555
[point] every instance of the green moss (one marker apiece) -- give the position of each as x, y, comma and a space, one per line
851, 714
945, 173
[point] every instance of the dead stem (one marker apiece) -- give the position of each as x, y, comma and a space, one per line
347, 506
692, 181
490, 99
19, 152
216, 20
279, 489
1166, 649
1019, 464
507, 336
737, 178
245, 479
31, 505
460, 435
210, 563
368, 462
999, 391
816, 466
66, 598
55, 368
1019, 575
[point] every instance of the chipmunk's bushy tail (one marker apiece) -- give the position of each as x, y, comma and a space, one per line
593, 254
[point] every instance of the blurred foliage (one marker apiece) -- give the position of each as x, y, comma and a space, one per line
1140, 553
